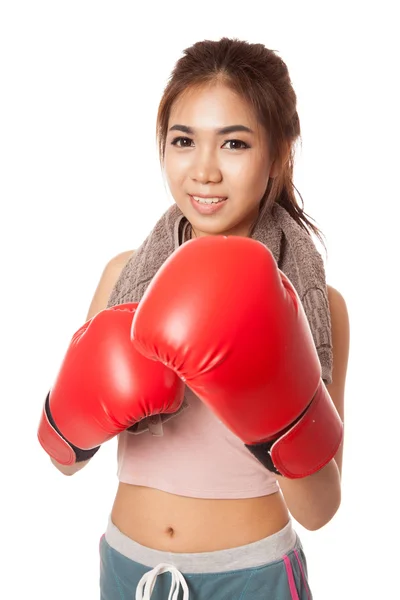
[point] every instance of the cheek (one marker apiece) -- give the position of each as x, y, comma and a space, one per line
174, 169
250, 175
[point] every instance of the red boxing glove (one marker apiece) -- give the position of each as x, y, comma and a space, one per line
103, 387
229, 323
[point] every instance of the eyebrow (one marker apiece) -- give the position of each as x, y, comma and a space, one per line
223, 131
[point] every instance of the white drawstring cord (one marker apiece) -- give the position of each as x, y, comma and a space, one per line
146, 584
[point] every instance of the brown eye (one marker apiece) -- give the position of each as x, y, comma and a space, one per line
237, 144
176, 142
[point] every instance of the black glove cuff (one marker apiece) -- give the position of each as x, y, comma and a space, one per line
80, 454
262, 453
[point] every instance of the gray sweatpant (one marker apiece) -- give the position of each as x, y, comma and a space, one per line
274, 567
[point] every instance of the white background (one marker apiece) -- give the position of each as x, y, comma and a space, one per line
80, 182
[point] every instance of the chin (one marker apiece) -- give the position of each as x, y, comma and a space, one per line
208, 227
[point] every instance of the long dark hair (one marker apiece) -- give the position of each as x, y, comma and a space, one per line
261, 77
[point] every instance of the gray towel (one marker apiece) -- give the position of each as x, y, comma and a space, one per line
293, 249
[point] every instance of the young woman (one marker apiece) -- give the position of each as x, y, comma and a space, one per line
194, 499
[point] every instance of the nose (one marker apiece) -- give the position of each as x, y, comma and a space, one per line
205, 168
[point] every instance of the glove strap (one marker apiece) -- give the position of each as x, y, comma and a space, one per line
309, 444
55, 444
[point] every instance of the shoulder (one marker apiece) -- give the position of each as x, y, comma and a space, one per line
109, 278
114, 267
340, 345
119, 260
338, 311
334, 295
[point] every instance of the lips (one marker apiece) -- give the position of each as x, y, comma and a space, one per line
208, 206
208, 199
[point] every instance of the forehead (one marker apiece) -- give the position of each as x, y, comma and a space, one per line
211, 107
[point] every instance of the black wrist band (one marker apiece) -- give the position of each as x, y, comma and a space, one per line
80, 454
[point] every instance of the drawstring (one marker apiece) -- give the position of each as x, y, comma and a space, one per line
146, 584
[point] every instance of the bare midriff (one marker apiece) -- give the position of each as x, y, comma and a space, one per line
173, 523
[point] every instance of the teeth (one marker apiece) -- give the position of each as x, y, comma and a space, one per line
208, 200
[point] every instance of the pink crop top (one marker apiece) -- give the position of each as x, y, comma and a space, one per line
197, 456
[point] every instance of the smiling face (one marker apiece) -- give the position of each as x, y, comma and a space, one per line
217, 162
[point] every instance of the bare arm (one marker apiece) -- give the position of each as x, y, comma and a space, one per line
107, 281
314, 500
